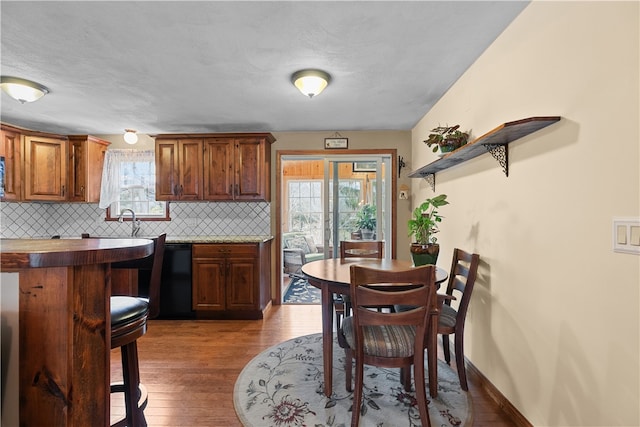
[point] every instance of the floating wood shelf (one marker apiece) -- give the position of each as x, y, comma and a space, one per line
494, 142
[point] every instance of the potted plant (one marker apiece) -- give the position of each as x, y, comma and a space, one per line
447, 138
423, 226
366, 221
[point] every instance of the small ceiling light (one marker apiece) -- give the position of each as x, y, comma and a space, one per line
310, 82
130, 136
22, 90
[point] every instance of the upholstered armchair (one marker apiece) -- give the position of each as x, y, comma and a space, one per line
298, 249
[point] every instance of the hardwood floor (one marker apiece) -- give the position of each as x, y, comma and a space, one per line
190, 366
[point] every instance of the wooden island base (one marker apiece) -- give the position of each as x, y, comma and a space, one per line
64, 325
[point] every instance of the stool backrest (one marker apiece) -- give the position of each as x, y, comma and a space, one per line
154, 263
156, 274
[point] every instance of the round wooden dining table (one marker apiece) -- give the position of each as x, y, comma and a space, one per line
333, 276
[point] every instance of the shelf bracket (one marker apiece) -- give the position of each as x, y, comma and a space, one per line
431, 180
501, 154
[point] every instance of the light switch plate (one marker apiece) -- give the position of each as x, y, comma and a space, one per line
626, 235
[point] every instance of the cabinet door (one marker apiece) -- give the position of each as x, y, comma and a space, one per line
11, 150
85, 171
167, 169
218, 169
45, 174
190, 169
242, 284
251, 169
208, 284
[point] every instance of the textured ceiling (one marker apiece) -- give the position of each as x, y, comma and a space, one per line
210, 66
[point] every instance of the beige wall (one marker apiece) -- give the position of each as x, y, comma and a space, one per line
554, 320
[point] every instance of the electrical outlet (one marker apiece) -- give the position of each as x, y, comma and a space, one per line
404, 195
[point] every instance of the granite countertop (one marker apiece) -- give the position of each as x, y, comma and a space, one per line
218, 239
179, 239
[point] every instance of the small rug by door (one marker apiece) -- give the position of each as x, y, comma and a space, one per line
301, 292
282, 386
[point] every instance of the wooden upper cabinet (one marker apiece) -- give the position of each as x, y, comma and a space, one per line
166, 169
45, 168
231, 167
252, 167
218, 171
11, 150
48, 167
85, 167
179, 169
190, 171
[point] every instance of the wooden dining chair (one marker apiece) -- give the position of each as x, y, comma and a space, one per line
361, 249
129, 315
462, 277
389, 339
354, 249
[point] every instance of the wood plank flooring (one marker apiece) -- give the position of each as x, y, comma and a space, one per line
190, 366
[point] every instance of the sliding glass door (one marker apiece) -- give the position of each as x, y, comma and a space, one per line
324, 197
356, 200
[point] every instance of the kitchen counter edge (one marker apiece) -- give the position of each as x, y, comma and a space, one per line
218, 239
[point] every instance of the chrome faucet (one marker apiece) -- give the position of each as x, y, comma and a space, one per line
135, 223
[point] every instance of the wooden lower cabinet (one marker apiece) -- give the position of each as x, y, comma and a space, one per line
231, 280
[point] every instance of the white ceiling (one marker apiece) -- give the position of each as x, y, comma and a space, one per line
211, 66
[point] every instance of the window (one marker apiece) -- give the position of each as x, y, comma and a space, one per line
305, 207
129, 182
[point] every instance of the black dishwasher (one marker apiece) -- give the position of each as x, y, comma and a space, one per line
175, 286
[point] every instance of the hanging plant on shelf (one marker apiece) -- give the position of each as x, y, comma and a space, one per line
447, 138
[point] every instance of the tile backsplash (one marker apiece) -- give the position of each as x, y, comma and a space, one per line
28, 220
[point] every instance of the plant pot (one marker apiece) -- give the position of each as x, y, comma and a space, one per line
447, 148
424, 254
366, 234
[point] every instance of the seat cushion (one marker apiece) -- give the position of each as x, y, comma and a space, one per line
314, 256
383, 341
447, 316
125, 309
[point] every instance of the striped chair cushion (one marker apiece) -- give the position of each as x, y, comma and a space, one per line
447, 316
383, 341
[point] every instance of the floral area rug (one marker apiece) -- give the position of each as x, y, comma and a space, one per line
301, 292
282, 387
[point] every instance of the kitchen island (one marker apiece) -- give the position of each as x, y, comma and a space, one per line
64, 325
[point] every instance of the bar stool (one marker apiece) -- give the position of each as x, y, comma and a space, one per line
129, 316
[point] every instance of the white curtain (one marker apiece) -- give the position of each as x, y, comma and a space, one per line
110, 188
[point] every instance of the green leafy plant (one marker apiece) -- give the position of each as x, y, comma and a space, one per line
447, 138
366, 217
425, 220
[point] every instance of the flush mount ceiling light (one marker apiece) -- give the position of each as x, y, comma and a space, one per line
130, 136
310, 82
22, 90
